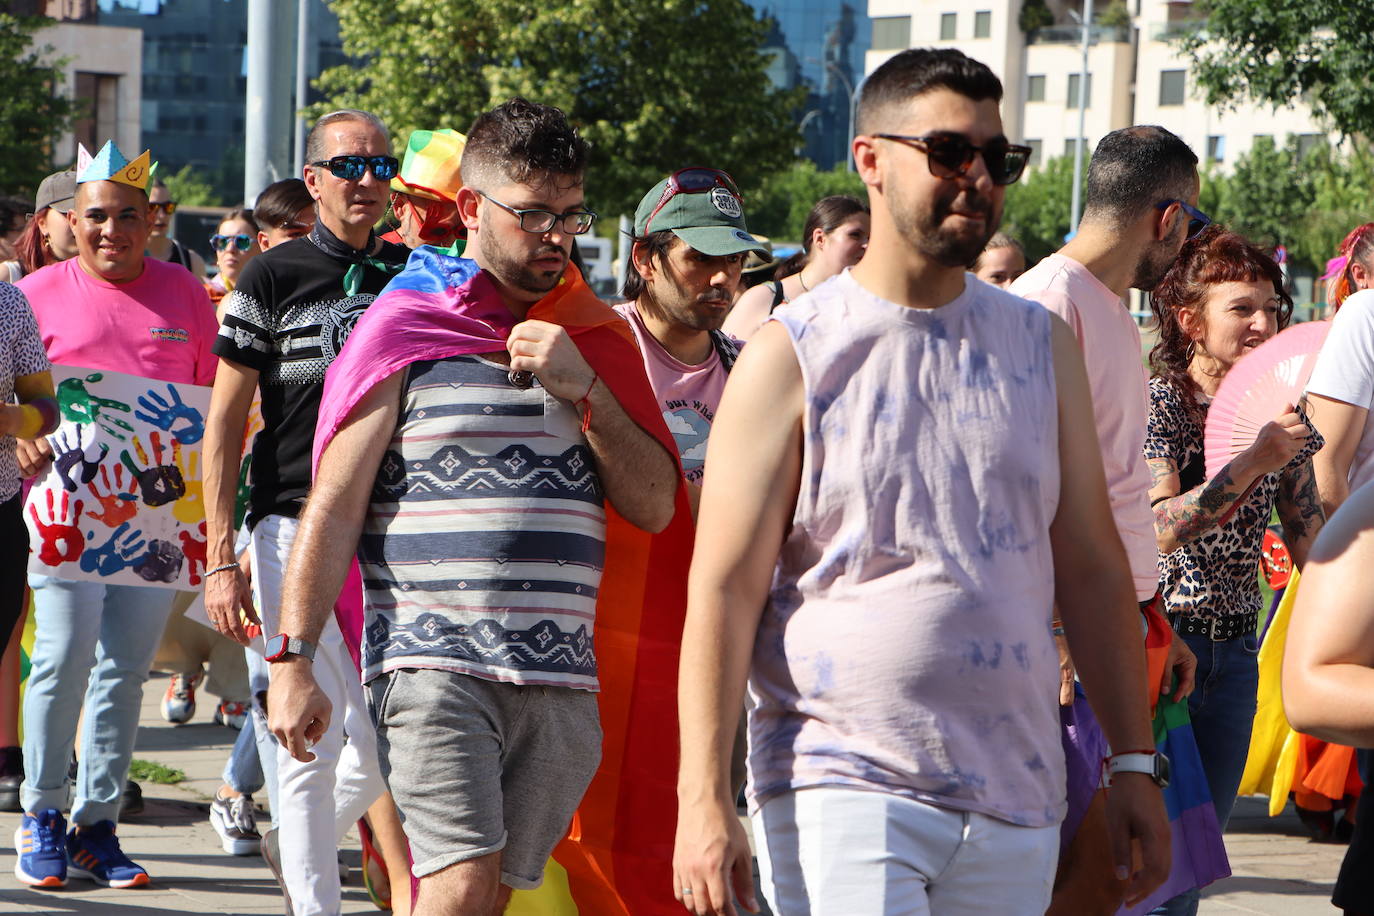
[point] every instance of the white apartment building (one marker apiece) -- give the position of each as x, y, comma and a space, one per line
1135, 75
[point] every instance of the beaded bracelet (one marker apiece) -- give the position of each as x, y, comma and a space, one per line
219, 569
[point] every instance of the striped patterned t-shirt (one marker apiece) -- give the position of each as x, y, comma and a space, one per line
486, 534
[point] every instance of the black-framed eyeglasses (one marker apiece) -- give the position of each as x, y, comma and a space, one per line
694, 180
951, 155
575, 222
166, 206
1197, 220
240, 242
351, 168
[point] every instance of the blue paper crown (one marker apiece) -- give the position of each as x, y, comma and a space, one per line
110, 165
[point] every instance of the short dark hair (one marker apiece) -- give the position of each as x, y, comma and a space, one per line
1135, 168
521, 142
238, 213
657, 244
279, 203
314, 141
919, 70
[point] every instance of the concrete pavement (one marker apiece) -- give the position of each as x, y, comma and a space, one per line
1277, 869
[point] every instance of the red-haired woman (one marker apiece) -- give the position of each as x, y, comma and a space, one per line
1222, 298
1340, 395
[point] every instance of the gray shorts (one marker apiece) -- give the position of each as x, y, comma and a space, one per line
478, 766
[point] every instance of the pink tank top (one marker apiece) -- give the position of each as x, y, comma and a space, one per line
906, 645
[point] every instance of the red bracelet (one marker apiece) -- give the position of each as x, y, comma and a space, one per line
587, 414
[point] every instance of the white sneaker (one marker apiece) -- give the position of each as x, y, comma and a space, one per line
179, 702
235, 822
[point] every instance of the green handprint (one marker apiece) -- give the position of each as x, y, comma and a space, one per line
80, 406
244, 491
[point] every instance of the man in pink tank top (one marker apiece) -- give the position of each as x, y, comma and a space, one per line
903, 482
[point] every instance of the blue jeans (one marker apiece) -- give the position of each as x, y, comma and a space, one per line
1222, 707
92, 647
248, 768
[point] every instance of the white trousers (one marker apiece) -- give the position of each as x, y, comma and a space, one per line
322, 799
827, 851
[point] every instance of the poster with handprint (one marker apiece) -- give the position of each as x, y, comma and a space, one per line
121, 502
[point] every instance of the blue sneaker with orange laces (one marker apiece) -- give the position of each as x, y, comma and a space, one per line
42, 856
94, 853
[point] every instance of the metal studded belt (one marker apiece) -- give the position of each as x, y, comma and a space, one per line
1217, 629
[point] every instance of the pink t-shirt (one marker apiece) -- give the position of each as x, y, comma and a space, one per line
1121, 402
160, 326
689, 394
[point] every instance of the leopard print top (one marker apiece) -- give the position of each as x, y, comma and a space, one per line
1215, 575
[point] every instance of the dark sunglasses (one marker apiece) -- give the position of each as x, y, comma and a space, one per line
694, 180
168, 206
351, 168
950, 155
1197, 220
241, 242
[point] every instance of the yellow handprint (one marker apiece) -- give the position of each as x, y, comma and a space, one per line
190, 508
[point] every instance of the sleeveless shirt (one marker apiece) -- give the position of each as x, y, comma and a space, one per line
906, 645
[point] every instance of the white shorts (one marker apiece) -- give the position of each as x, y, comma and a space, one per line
826, 851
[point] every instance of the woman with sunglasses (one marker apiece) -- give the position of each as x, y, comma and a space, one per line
1222, 298
835, 236
160, 244
235, 243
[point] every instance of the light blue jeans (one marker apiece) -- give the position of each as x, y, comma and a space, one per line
92, 648
253, 762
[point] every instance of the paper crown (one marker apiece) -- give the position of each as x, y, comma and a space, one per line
430, 166
110, 165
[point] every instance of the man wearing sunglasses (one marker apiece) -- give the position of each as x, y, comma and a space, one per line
1140, 208
288, 318
903, 482
161, 245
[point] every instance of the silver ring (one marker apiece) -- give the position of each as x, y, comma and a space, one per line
687, 891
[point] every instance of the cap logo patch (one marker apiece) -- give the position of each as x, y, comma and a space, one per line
725, 202
744, 236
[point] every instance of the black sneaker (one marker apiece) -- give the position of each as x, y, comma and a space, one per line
11, 775
131, 802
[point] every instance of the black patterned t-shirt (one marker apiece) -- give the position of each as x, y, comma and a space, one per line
1216, 574
288, 318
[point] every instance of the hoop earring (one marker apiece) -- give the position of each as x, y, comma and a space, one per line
1189, 352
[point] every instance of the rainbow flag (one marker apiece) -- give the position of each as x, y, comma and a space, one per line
616, 859
1199, 856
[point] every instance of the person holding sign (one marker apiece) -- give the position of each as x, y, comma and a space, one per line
108, 309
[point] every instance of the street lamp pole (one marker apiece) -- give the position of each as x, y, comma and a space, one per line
1076, 207
849, 139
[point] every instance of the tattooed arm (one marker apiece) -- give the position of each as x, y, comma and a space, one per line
1300, 510
1182, 517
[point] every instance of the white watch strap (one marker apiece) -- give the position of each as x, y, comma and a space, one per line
1131, 763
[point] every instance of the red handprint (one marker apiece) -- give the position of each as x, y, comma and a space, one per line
118, 503
62, 540
195, 552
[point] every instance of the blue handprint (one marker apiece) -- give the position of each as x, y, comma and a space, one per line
109, 558
166, 414
71, 462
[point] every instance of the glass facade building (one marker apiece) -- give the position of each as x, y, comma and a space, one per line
820, 44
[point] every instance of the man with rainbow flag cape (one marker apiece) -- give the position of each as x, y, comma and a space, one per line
494, 411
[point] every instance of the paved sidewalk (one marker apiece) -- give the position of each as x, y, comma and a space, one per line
173, 839
1277, 869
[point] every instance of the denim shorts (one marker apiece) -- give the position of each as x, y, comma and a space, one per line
479, 766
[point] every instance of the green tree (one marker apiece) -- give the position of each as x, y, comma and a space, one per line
1038, 208
32, 113
653, 86
779, 206
1277, 51
191, 190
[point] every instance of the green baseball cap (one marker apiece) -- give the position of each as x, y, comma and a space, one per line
710, 221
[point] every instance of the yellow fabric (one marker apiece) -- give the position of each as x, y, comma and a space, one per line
1273, 755
552, 898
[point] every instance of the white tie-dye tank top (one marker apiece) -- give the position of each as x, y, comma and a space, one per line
906, 645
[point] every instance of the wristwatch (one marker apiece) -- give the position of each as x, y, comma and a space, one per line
1152, 763
281, 645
